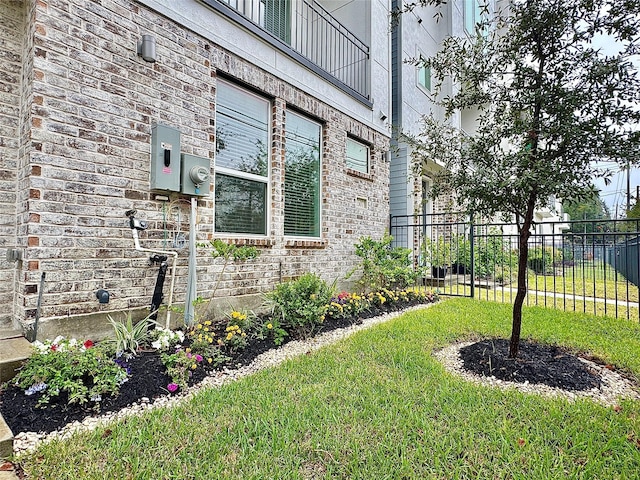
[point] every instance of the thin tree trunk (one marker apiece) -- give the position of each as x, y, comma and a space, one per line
523, 236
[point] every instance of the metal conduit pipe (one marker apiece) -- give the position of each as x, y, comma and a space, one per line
138, 225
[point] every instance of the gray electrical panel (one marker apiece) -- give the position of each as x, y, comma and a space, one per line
196, 175
165, 158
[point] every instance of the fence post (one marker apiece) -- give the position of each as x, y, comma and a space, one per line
471, 248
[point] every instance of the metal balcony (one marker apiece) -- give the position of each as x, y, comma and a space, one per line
309, 33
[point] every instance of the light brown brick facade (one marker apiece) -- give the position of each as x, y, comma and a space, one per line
77, 106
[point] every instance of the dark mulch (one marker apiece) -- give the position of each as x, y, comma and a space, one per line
536, 363
148, 379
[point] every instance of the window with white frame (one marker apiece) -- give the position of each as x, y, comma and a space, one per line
357, 156
302, 176
242, 160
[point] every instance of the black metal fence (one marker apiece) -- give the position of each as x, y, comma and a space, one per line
587, 266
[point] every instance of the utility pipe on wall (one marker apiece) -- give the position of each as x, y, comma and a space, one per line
136, 241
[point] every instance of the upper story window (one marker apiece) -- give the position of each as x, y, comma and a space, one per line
472, 15
242, 161
302, 176
357, 156
424, 76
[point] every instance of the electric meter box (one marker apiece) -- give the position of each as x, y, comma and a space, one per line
196, 175
165, 158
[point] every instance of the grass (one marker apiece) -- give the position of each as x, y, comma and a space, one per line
588, 280
378, 405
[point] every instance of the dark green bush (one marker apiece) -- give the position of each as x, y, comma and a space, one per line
541, 260
384, 266
300, 305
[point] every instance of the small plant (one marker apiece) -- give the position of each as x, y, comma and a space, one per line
383, 266
437, 253
203, 340
300, 305
165, 339
271, 328
130, 336
83, 371
346, 305
234, 340
182, 363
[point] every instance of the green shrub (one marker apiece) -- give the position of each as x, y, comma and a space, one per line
383, 266
492, 254
300, 305
541, 259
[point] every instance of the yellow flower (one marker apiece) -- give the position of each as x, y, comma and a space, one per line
229, 336
194, 366
269, 326
220, 342
208, 322
209, 359
199, 326
187, 350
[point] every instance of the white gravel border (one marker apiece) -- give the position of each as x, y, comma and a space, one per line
29, 441
614, 386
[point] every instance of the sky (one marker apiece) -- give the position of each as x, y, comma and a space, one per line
616, 192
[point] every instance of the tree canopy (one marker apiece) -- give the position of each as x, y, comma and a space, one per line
546, 102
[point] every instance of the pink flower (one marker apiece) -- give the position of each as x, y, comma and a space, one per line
172, 387
198, 358
88, 344
188, 354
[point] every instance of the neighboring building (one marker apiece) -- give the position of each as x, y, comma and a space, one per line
283, 101
419, 33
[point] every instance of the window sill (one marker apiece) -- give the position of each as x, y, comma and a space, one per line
357, 174
305, 243
250, 242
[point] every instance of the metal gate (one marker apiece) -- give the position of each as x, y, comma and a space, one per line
586, 266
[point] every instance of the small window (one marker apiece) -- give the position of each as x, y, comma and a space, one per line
424, 77
472, 15
357, 156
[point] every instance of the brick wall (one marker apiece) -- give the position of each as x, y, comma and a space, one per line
12, 44
93, 104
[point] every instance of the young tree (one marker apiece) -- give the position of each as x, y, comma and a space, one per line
547, 102
591, 209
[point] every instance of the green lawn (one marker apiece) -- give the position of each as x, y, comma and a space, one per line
379, 406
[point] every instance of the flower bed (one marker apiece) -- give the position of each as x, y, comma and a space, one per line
67, 380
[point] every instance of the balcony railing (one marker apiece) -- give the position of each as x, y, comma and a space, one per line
312, 32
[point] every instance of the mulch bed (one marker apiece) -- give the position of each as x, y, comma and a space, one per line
535, 363
148, 379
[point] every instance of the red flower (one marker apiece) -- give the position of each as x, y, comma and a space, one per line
88, 344
54, 347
